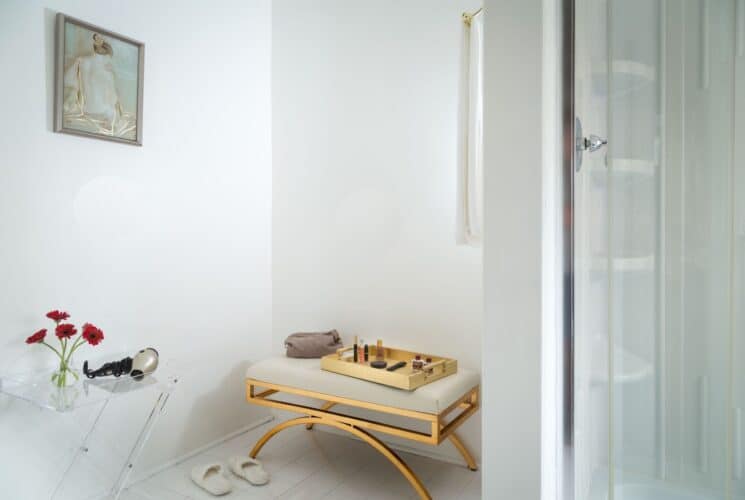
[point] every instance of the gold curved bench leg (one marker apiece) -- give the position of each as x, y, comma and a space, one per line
464, 451
325, 406
360, 433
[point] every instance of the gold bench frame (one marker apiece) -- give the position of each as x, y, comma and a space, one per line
440, 427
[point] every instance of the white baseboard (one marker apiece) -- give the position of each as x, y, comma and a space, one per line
432, 452
186, 456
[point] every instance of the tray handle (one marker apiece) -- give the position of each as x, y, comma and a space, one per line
341, 351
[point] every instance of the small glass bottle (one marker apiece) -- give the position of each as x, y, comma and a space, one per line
417, 363
379, 352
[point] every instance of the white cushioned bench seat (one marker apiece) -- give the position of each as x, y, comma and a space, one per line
306, 374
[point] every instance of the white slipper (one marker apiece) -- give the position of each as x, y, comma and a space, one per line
210, 478
249, 469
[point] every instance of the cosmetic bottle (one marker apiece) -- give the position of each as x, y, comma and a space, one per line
427, 367
367, 353
356, 359
416, 364
379, 352
361, 352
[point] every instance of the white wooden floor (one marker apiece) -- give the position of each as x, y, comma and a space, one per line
312, 465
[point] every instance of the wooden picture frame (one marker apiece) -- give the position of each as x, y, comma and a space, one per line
98, 87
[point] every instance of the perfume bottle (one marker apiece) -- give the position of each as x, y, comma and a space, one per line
427, 368
361, 352
379, 352
417, 363
354, 348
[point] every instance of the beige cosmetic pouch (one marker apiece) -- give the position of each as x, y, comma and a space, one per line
312, 344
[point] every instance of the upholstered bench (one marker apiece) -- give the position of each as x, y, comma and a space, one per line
434, 404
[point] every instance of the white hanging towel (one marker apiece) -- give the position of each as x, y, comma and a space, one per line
469, 211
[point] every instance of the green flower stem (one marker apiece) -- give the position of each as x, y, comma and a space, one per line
63, 347
78, 342
52, 348
60, 377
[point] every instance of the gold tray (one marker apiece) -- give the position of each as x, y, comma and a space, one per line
403, 378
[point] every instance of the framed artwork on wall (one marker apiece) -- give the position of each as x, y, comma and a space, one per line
98, 82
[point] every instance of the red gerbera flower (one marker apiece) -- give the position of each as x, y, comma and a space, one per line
65, 330
57, 315
92, 334
37, 337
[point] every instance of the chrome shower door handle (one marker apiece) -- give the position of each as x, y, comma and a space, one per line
582, 143
594, 142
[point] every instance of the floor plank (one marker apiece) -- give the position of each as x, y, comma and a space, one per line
313, 465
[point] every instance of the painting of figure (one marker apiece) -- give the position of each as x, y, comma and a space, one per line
99, 82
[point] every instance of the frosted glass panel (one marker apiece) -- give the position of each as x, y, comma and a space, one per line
591, 379
737, 441
634, 191
660, 251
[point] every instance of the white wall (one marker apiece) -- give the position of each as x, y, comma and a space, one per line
364, 137
513, 115
165, 245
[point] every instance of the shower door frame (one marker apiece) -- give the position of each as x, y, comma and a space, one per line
566, 23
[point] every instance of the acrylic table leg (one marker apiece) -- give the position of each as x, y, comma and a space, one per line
142, 438
83, 448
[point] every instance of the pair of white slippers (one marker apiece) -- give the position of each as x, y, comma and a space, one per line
210, 477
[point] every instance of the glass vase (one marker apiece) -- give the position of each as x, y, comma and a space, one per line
65, 376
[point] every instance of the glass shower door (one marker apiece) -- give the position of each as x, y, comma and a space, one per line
635, 178
697, 328
659, 246
591, 271
737, 423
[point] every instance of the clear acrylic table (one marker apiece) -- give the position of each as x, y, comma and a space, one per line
96, 395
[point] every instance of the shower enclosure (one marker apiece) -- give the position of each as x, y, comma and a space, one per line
656, 209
